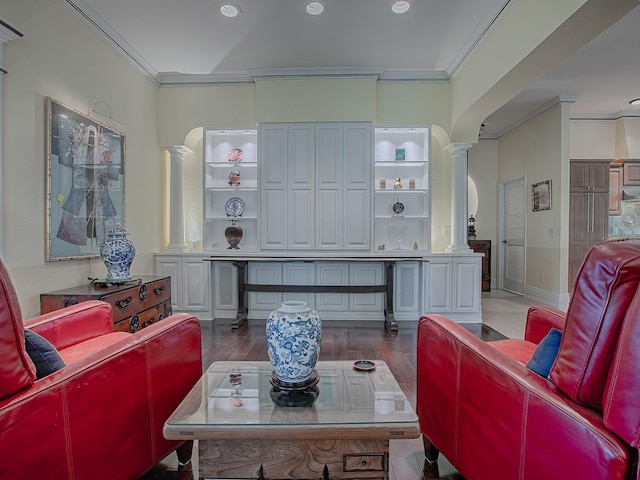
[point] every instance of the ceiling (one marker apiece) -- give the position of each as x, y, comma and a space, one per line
191, 42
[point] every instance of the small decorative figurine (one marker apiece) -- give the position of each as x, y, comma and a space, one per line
471, 230
234, 178
397, 184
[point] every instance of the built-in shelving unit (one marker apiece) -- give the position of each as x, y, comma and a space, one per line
402, 193
230, 188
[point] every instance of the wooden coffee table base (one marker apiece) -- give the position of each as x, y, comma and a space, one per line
299, 459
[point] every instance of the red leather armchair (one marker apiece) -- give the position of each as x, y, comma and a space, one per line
493, 418
101, 416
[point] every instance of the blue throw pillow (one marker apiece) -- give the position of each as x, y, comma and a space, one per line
545, 354
44, 355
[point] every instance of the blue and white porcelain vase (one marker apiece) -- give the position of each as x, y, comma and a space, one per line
117, 254
294, 332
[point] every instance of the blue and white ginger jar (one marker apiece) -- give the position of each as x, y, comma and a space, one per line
294, 332
117, 254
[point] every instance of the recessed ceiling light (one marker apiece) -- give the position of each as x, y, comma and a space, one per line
400, 6
229, 10
315, 8
635, 102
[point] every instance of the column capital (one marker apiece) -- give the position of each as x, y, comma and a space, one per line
177, 151
458, 147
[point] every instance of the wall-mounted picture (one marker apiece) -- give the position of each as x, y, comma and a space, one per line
541, 196
85, 182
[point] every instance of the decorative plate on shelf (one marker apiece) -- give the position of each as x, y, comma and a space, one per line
235, 155
397, 207
234, 207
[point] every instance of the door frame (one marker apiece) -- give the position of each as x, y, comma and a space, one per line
500, 261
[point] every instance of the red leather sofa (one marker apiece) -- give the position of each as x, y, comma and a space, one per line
101, 416
493, 418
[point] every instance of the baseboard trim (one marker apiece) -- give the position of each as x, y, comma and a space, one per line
547, 297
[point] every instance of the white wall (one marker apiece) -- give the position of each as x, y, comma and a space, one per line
61, 57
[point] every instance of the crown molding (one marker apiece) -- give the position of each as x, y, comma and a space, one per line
326, 72
120, 44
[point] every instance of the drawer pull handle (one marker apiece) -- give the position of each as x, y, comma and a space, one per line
148, 322
158, 290
142, 292
134, 324
68, 303
124, 303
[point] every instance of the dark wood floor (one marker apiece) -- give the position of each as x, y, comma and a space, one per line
340, 341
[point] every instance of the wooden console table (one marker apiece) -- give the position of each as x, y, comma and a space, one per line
241, 262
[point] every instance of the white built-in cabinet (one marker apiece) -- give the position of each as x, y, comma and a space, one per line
315, 187
321, 189
190, 282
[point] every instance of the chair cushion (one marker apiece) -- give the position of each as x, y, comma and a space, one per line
545, 354
43, 355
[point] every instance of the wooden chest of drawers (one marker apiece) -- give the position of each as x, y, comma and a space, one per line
484, 246
136, 304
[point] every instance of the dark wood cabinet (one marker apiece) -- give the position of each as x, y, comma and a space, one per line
631, 172
588, 210
136, 304
484, 246
615, 189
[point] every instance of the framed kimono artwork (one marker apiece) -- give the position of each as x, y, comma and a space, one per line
85, 182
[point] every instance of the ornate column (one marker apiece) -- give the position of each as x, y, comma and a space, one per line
458, 198
177, 241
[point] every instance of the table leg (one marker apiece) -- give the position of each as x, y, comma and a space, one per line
389, 319
243, 306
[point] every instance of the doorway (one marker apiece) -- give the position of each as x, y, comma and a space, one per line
512, 219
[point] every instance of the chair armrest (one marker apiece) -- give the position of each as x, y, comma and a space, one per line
74, 324
494, 418
540, 320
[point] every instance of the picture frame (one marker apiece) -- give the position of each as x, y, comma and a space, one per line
85, 182
400, 154
541, 196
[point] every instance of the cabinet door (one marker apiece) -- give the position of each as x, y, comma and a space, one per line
440, 283
300, 187
615, 190
599, 177
196, 292
579, 177
329, 183
172, 267
357, 200
632, 173
273, 192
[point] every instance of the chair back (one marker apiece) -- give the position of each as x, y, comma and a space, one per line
16, 368
605, 287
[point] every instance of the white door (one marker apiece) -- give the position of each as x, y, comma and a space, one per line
513, 236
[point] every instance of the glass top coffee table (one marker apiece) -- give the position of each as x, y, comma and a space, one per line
341, 428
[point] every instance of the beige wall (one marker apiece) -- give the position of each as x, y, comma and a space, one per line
539, 150
483, 169
61, 57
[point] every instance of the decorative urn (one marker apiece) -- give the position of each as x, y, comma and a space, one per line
294, 332
117, 254
233, 234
